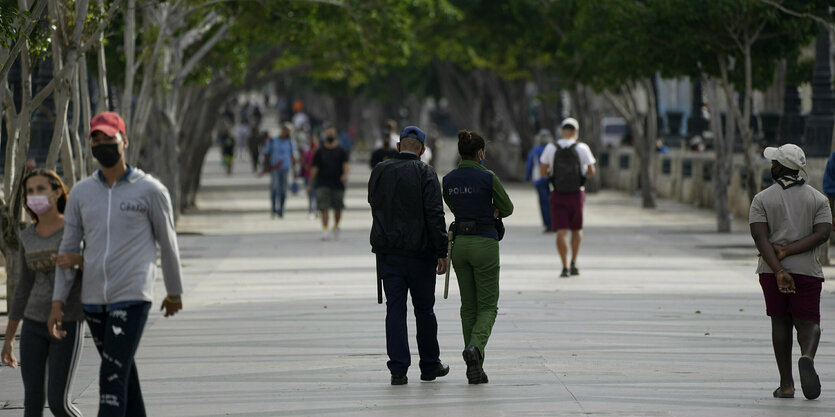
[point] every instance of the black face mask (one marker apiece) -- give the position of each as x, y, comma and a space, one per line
107, 154
330, 139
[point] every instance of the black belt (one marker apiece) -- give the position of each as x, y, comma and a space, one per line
473, 228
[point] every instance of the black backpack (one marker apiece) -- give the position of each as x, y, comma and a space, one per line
567, 172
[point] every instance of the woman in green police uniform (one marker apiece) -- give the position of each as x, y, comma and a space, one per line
477, 199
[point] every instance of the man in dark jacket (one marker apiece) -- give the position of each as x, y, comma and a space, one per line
409, 237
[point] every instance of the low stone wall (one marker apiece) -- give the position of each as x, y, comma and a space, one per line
688, 176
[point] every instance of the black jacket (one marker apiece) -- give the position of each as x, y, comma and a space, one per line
405, 198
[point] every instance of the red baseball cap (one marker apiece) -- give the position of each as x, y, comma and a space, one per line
108, 123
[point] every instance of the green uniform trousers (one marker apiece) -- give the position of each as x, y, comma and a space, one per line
476, 263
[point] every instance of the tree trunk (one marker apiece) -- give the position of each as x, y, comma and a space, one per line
505, 103
723, 165
648, 145
199, 141
129, 40
583, 109
11, 256
81, 166
20, 146
86, 112
643, 130
62, 101
743, 117
462, 94
518, 102
549, 100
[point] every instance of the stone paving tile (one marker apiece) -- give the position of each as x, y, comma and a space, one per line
665, 320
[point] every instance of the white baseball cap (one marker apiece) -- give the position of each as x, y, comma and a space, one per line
570, 121
789, 156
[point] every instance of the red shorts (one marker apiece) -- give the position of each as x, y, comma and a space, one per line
804, 304
567, 210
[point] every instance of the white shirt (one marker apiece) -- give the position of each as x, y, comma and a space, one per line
583, 151
427, 155
535, 176
301, 121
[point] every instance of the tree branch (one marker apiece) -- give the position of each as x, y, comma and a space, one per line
192, 62
103, 24
37, 11
46, 91
726, 87
827, 24
619, 106
553, 23
756, 34
194, 34
8, 99
734, 37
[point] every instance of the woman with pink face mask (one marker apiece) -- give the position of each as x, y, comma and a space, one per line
50, 363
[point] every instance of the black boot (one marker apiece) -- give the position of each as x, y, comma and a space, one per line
441, 370
473, 359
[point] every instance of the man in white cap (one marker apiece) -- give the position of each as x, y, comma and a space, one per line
568, 164
789, 222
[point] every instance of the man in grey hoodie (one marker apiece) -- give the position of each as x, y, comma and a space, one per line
121, 214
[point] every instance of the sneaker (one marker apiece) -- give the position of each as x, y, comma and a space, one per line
326, 235
564, 273
399, 380
335, 233
574, 270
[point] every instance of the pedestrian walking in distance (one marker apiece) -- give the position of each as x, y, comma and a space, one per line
540, 183
385, 152
408, 236
790, 222
50, 363
280, 158
329, 174
121, 214
479, 201
568, 164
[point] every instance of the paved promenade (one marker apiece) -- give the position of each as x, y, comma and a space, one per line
666, 320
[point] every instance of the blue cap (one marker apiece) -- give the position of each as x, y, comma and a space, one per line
415, 133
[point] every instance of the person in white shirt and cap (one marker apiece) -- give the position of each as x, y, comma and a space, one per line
568, 164
790, 221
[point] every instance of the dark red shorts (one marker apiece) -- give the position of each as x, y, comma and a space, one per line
567, 210
804, 304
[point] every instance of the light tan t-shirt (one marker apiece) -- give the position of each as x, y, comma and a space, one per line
791, 214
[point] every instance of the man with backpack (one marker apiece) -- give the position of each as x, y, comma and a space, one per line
568, 164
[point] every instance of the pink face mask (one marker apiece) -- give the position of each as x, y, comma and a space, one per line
38, 203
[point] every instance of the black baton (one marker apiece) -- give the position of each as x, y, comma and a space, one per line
379, 283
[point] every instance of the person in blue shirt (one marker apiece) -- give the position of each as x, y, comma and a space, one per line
279, 158
829, 179
543, 138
